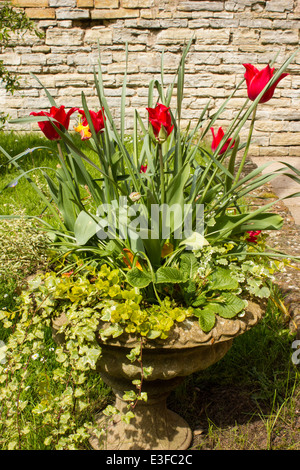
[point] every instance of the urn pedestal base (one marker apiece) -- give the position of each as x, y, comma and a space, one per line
153, 427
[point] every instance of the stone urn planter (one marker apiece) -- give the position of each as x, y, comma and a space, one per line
187, 350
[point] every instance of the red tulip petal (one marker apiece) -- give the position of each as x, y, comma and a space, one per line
158, 117
216, 138
251, 71
156, 126
258, 82
270, 92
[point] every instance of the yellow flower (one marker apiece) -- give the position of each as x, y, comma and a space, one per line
84, 131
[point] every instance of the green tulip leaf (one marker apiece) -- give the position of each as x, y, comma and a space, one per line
85, 228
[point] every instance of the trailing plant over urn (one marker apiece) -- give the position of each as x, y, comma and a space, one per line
150, 236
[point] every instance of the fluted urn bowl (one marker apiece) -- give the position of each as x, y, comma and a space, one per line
187, 350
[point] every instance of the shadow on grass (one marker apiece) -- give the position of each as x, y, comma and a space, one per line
251, 398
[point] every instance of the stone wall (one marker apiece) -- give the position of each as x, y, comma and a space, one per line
227, 34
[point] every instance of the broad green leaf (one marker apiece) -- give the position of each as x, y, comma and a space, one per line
200, 300
189, 265
172, 275
221, 279
138, 278
207, 319
228, 308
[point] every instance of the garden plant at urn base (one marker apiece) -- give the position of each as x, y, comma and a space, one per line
160, 262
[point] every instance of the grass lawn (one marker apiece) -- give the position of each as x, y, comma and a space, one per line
248, 400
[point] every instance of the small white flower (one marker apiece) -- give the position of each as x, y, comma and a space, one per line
35, 356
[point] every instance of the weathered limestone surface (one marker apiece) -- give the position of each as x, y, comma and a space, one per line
227, 34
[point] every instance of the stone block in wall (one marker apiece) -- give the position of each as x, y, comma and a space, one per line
40, 13
106, 4
41, 48
284, 139
57, 59
294, 151
99, 33
131, 36
58, 36
180, 35
148, 24
204, 58
114, 14
174, 23
62, 3
85, 3
72, 14
73, 80
280, 5
256, 22
45, 24
245, 36
137, 3
30, 3
198, 6
33, 59
280, 37
10, 59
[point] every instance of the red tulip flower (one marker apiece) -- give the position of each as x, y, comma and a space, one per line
143, 168
160, 119
61, 119
253, 234
257, 80
98, 122
217, 139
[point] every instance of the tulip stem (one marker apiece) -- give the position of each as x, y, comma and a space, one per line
247, 147
162, 182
